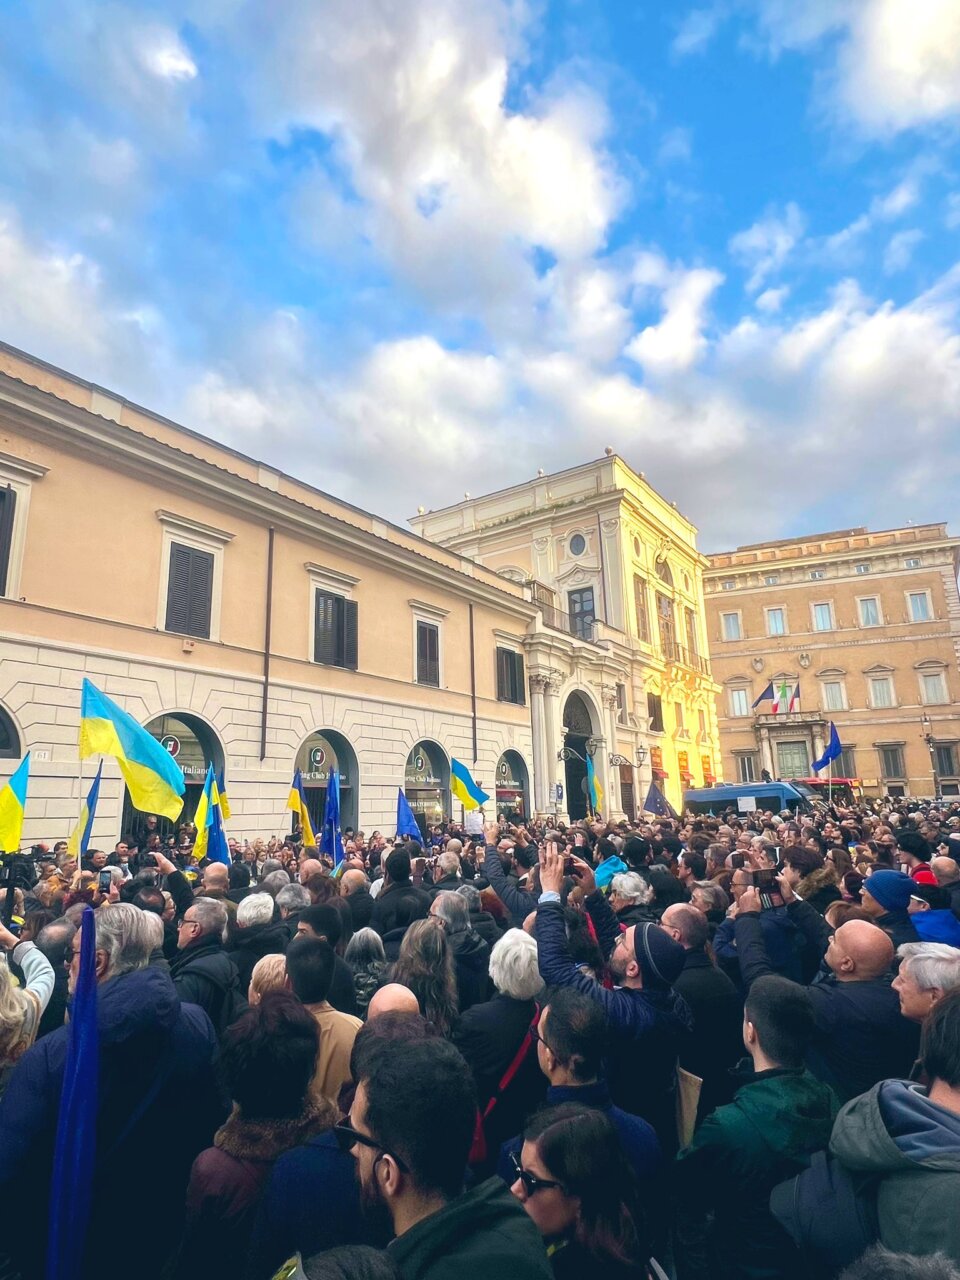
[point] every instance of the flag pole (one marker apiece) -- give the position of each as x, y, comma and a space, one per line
830, 781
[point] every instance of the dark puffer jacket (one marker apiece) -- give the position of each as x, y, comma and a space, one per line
205, 975
157, 1071
253, 942
471, 958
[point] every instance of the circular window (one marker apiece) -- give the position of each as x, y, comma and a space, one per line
578, 544
636, 547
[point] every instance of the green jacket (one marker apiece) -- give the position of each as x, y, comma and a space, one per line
485, 1232
896, 1132
775, 1122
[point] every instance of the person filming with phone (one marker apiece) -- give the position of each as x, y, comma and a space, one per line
860, 1036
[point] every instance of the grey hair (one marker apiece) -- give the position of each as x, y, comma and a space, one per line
717, 900
123, 935
633, 887
210, 915
452, 910
153, 924
54, 939
255, 908
293, 898
513, 966
364, 947
449, 863
879, 1263
931, 964
270, 865
471, 896
274, 882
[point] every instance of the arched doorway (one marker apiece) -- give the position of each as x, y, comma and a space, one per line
324, 752
426, 784
9, 738
194, 746
577, 730
513, 784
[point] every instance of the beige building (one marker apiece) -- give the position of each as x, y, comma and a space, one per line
618, 657
244, 617
868, 625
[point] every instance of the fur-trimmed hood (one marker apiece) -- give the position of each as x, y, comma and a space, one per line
267, 1139
823, 878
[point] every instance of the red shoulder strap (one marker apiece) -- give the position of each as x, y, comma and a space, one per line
516, 1064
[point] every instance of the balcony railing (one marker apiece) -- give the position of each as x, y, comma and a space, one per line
683, 657
580, 628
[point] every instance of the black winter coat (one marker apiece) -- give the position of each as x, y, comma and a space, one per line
205, 975
387, 905
485, 925
157, 1057
255, 941
361, 908
715, 1045
471, 959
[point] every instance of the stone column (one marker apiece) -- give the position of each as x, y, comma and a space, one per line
612, 772
542, 766
553, 738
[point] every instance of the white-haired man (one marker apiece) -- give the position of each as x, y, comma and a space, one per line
154, 1054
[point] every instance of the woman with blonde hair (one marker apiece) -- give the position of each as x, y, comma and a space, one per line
269, 974
425, 966
21, 1008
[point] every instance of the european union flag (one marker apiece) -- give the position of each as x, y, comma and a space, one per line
407, 824
657, 802
331, 838
74, 1152
833, 751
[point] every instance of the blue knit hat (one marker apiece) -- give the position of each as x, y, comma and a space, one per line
660, 958
892, 889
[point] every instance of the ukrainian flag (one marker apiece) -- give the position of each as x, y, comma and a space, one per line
13, 801
80, 839
464, 787
595, 789
153, 777
210, 843
297, 801
224, 802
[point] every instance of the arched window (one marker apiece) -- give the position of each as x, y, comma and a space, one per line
9, 738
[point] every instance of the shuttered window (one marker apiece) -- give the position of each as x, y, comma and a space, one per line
510, 676
428, 653
655, 712
8, 504
335, 631
189, 591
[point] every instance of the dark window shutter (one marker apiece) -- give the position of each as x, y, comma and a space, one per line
327, 629
350, 615
521, 684
503, 676
8, 505
428, 653
189, 591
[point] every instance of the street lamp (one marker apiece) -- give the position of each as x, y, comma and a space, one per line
931, 747
641, 755
568, 753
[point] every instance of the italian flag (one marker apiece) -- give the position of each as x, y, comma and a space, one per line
783, 699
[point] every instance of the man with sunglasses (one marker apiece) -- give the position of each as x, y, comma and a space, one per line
411, 1170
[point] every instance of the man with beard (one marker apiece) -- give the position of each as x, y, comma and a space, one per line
412, 1169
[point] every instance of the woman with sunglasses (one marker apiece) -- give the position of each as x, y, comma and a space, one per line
574, 1181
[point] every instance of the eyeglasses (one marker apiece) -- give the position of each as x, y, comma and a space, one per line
347, 1138
531, 1183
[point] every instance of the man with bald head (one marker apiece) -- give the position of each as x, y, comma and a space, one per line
310, 867
355, 887
393, 998
861, 1037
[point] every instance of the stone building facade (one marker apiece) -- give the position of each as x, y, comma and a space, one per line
246, 618
618, 658
868, 625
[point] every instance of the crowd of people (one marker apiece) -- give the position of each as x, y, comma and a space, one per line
711, 1048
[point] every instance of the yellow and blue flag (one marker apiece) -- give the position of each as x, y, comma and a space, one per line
13, 801
210, 843
80, 839
153, 777
594, 788
297, 801
464, 787
224, 802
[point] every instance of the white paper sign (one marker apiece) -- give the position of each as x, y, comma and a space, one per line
746, 804
473, 822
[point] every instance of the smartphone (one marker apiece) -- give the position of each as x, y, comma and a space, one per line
104, 880
568, 866
737, 861
766, 885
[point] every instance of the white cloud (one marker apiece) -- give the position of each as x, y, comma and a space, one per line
696, 31
766, 245
676, 145
677, 341
771, 300
897, 63
900, 249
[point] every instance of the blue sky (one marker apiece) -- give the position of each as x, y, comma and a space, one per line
413, 248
